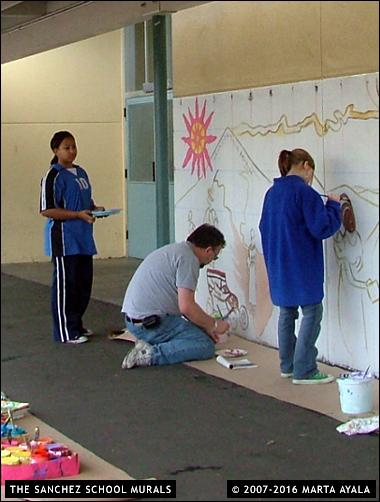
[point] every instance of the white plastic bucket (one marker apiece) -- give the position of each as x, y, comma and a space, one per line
356, 393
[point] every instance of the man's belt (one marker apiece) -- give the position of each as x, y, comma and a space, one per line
134, 321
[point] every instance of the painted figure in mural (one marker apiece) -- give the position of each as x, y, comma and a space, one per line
66, 201
293, 224
357, 291
160, 307
252, 252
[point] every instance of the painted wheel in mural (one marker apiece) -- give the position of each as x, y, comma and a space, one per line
244, 319
233, 319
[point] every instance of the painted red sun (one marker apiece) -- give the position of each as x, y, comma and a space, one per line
198, 140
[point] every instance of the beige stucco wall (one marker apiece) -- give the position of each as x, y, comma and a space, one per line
76, 88
237, 45
216, 47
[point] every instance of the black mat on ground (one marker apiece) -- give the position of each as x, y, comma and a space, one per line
169, 422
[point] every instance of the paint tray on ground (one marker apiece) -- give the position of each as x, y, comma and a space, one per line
41, 458
17, 463
16, 408
231, 353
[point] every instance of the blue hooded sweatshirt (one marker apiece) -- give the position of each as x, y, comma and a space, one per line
293, 224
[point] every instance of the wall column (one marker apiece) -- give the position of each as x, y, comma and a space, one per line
161, 129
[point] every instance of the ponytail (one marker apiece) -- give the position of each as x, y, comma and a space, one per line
287, 159
284, 162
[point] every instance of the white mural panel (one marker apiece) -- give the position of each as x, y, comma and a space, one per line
352, 259
226, 149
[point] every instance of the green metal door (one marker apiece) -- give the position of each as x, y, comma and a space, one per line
141, 188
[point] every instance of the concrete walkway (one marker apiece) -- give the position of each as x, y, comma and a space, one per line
169, 422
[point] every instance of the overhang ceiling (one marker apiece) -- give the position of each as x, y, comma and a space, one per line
29, 28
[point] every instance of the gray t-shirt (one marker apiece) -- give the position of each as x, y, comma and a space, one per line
153, 288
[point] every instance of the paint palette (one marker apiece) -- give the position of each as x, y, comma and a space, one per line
106, 212
347, 212
20, 464
231, 353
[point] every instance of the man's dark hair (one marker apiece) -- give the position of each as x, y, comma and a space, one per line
207, 235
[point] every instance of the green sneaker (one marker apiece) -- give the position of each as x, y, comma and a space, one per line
315, 379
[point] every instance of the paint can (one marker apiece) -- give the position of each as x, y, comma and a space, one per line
356, 392
224, 337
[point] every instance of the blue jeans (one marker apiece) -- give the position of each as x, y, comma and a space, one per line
175, 340
298, 355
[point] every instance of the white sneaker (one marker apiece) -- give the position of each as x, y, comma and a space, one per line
140, 355
286, 375
87, 332
142, 344
78, 340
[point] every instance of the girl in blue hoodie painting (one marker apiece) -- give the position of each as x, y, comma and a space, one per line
294, 222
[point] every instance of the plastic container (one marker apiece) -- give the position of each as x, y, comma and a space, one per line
13, 469
356, 392
225, 336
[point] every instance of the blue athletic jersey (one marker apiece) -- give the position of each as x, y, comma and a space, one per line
63, 188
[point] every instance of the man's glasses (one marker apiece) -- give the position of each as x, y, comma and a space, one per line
215, 256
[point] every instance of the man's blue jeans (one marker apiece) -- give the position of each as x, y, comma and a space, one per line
175, 340
298, 355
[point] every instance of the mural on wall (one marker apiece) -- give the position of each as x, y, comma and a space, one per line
198, 140
223, 301
232, 142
